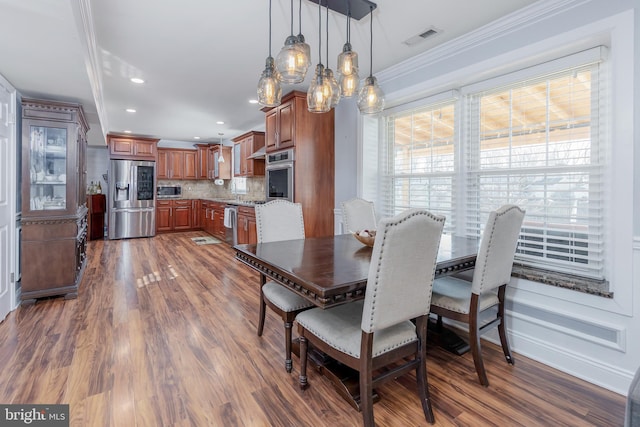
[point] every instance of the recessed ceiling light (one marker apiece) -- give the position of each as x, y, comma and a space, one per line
253, 101
196, 137
219, 122
130, 110
137, 80
127, 131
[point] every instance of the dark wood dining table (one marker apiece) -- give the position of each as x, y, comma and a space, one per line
333, 270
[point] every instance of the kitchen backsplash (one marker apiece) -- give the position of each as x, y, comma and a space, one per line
205, 189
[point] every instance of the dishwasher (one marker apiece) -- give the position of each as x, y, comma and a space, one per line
231, 224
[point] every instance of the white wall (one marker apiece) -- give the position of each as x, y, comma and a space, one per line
591, 337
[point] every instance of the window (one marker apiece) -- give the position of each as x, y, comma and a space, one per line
533, 141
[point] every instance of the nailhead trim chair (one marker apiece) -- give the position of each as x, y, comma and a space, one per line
275, 221
461, 300
358, 214
376, 332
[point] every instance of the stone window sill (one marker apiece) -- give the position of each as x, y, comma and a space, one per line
563, 280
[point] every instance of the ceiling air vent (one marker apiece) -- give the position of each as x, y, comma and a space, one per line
428, 33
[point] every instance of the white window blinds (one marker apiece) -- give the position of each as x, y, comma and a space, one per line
537, 144
419, 171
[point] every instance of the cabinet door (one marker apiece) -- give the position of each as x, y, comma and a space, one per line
252, 230
164, 217
118, 146
224, 168
237, 156
202, 168
182, 215
271, 130
162, 165
144, 148
212, 162
176, 164
216, 164
246, 150
242, 229
286, 125
189, 171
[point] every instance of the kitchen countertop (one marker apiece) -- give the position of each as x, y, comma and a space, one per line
225, 201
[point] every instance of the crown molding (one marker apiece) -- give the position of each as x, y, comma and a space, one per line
527, 16
87, 36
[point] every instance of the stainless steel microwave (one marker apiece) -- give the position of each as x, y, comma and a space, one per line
280, 175
169, 191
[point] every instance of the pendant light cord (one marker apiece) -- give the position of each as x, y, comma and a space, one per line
319, 31
299, 17
291, 17
371, 44
327, 41
269, 28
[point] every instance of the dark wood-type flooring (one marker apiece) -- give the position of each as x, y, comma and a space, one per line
163, 333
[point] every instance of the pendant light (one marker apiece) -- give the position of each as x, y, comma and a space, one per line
291, 61
331, 86
220, 157
317, 100
347, 70
371, 97
269, 89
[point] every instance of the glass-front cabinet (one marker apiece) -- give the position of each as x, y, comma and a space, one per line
47, 168
54, 211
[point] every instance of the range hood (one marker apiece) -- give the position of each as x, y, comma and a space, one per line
259, 154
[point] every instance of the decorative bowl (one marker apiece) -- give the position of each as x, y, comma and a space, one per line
366, 237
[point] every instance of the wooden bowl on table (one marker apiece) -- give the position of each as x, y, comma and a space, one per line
366, 237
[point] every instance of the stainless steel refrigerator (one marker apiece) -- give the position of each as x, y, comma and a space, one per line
132, 204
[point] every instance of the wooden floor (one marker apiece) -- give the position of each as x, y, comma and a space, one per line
163, 334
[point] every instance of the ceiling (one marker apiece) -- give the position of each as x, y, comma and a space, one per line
201, 60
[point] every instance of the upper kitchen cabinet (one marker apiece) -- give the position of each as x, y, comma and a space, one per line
244, 146
54, 210
176, 164
209, 164
134, 148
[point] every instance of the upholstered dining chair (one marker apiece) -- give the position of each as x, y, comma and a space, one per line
377, 332
463, 301
358, 214
280, 220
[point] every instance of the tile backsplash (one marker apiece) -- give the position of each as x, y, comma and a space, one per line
206, 189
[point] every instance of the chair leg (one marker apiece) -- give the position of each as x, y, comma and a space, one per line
502, 329
303, 361
474, 342
263, 309
287, 345
421, 373
366, 379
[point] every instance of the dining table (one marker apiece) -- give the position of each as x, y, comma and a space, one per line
333, 270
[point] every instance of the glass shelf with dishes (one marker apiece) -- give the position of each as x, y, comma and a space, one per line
48, 166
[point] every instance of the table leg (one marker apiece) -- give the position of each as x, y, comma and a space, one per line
444, 337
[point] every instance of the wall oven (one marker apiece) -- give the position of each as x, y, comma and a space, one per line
279, 175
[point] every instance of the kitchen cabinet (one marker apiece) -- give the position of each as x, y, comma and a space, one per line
244, 146
54, 209
217, 228
133, 148
312, 137
174, 215
247, 230
176, 164
207, 161
280, 125
222, 170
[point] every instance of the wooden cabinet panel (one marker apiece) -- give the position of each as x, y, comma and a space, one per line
174, 215
280, 126
245, 145
202, 161
247, 231
176, 164
132, 148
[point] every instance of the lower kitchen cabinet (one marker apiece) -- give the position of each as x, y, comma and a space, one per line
247, 230
174, 215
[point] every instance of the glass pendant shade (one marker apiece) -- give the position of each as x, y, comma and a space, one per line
347, 61
349, 84
333, 87
305, 60
291, 62
269, 89
371, 97
317, 100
